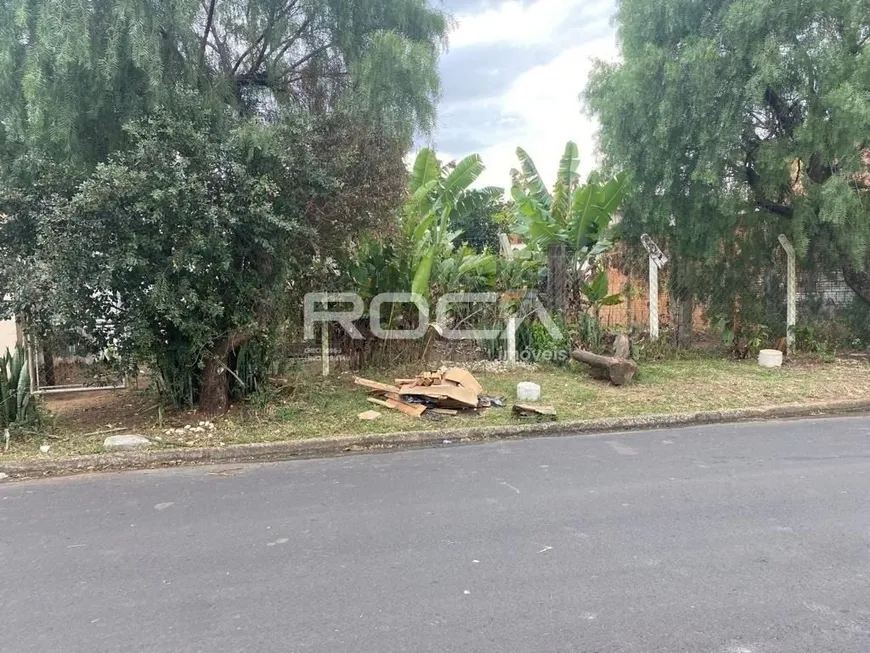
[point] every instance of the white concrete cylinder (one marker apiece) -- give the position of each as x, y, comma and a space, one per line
770, 358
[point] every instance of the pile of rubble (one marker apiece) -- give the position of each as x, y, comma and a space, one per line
447, 391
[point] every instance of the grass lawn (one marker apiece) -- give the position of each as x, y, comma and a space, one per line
318, 407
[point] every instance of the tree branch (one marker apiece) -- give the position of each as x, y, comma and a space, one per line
776, 209
264, 36
783, 114
306, 58
209, 20
289, 42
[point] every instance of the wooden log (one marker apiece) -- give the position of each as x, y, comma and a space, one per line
618, 370
622, 346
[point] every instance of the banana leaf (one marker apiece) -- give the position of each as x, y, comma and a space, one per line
565, 182
423, 274
426, 169
533, 179
460, 178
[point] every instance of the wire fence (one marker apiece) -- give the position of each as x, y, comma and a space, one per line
760, 298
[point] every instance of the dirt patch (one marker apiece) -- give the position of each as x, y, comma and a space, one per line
85, 412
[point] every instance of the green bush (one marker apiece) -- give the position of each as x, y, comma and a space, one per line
857, 319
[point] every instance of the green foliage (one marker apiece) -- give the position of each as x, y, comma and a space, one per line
17, 407
597, 293
200, 229
741, 119
587, 333
815, 339
535, 344
857, 319
743, 338
72, 74
480, 216
428, 235
576, 215
184, 169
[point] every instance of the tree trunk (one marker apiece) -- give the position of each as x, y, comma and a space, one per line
556, 268
681, 306
46, 374
858, 281
682, 313
618, 370
214, 393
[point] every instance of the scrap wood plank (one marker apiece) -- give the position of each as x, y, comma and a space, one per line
412, 410
455, 393
528, 410
374, 385
401, 382
463, 378
445, 411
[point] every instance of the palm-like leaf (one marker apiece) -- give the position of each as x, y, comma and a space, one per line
614, 192
535, 220
532, 179
426, 169
460, 178
423, 273
587, 217
565, 182
524, 206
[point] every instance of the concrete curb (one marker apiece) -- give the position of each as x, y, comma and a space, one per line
322, 447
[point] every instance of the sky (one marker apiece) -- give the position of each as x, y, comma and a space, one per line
512, 77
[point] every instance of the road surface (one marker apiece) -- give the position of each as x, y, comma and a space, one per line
750, 538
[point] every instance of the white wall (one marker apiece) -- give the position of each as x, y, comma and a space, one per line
8, 335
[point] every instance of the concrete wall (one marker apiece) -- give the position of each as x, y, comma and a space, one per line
8, 335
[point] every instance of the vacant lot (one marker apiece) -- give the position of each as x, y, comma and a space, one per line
314, 407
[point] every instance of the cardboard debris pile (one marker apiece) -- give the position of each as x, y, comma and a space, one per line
445, 392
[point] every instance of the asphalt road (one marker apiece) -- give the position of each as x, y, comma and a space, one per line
752, 538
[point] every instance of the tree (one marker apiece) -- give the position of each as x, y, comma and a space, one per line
573, 220
190, 238
188, 163
739, 121
481, 216
72, 74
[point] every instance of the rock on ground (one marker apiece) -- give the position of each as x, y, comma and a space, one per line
121, 442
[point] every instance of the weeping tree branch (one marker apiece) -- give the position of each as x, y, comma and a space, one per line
265, 35
209, 21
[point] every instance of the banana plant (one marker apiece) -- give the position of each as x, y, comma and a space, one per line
436, 191
597, 293
575, 215
464, 270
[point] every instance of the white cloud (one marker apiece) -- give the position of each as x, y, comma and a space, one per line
541, 109
545, 101
513, 22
